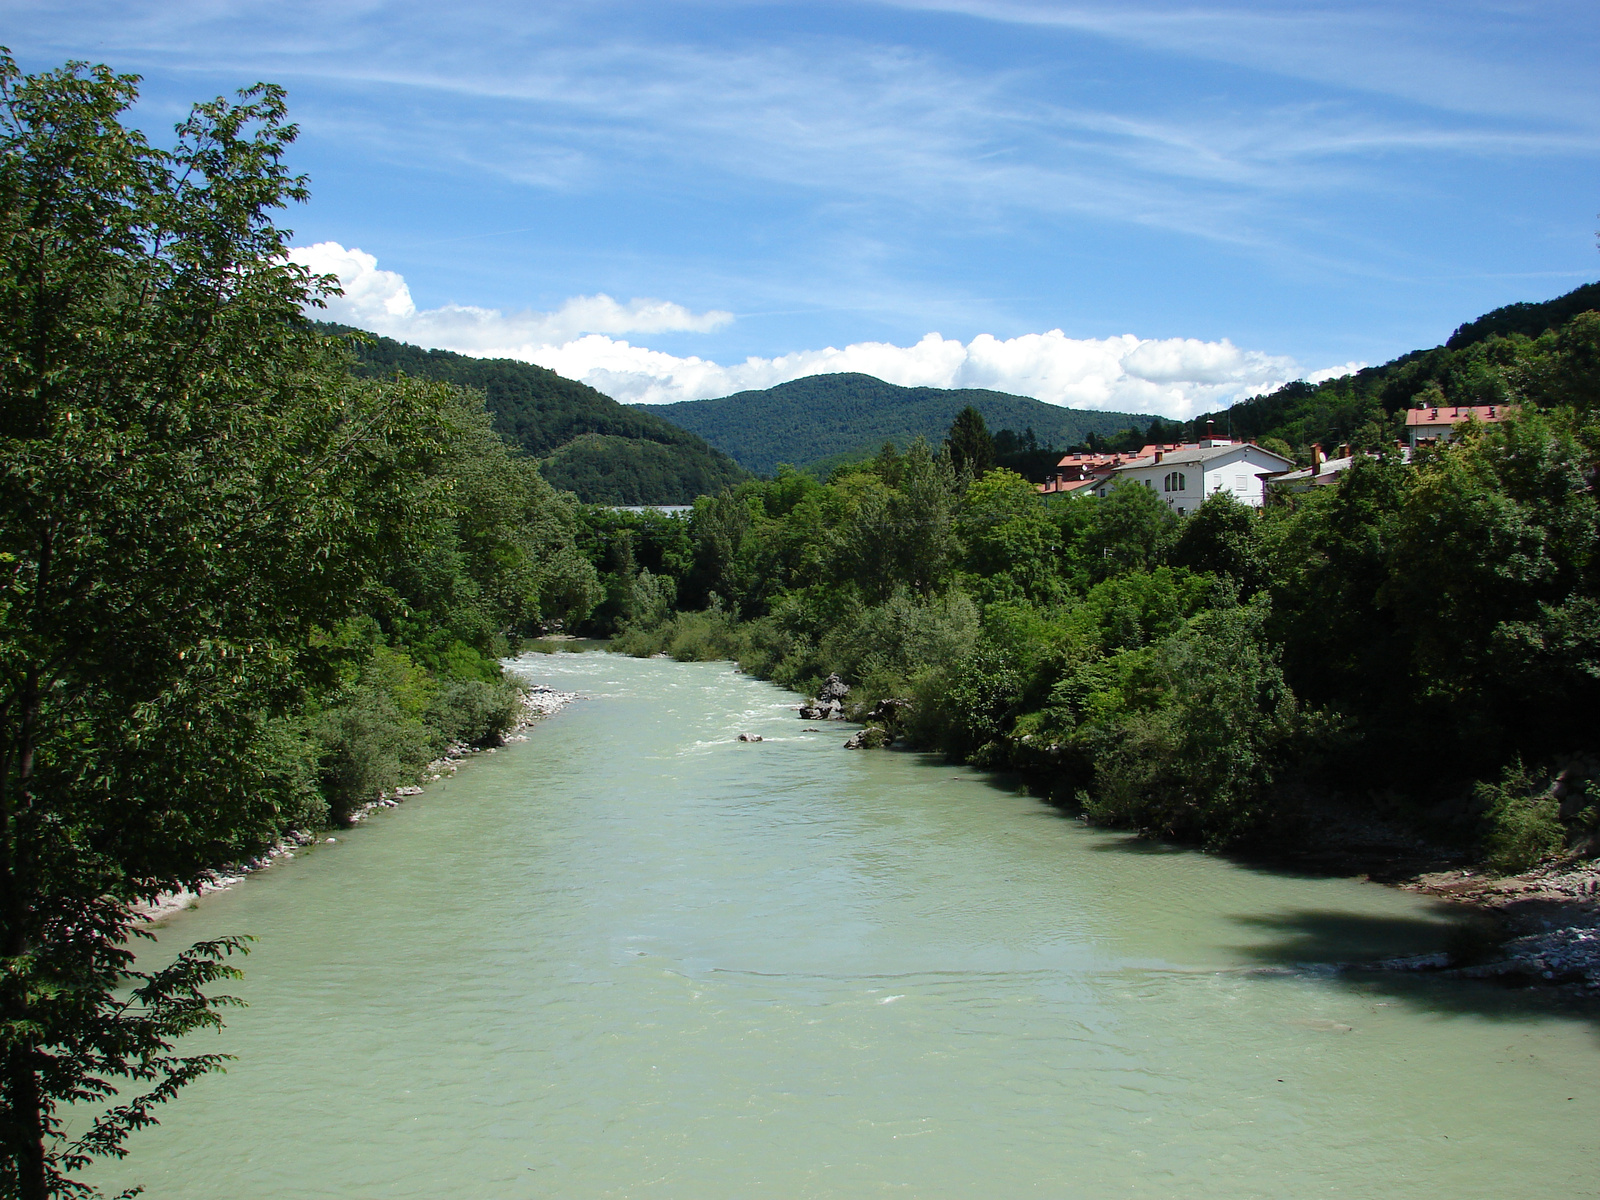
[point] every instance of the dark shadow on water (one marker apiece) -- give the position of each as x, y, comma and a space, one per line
1316, 940
1342, 947
1127, 843
1330, 936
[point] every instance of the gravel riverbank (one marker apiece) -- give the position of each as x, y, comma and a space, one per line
1544, 926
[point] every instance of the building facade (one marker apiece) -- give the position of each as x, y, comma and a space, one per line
1184, 476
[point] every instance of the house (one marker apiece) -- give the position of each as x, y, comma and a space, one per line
1324, 471
1184, 476
1077, 472
1435, 423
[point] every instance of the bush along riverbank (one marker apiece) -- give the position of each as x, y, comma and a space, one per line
242, 592
1392, 674
533, 703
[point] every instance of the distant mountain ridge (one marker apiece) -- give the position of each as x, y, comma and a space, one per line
585, 442
827, 416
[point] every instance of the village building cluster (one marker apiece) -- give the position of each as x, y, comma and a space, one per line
1183, 474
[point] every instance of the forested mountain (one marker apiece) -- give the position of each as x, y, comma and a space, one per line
1540, 351
850, 415
586, 443
1530, 319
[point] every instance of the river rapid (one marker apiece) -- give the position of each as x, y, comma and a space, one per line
634, 957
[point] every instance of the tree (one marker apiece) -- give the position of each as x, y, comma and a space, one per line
968, 443
1221, 538
1128, 531
1010, 539
192, 493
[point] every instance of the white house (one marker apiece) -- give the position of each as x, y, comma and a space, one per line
1185, 476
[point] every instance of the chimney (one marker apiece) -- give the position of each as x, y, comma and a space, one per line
1316, 458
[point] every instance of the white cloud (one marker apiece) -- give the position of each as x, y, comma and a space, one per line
1175, 377
380, 301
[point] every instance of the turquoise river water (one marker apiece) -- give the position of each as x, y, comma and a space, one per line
633, 957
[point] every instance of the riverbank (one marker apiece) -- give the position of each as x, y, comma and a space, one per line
538, 703
1537, 928
1542, 927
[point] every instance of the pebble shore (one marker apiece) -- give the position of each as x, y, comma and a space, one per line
1552, 917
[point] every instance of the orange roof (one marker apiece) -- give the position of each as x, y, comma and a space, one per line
1451, 414
1120, 457
1071, 485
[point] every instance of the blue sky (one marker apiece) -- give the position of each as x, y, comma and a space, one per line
1137, 205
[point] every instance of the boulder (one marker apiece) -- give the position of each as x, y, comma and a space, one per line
870, 738
829, 703
750, 737
890, 710
833, 688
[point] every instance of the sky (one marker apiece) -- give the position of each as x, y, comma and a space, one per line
1142, 205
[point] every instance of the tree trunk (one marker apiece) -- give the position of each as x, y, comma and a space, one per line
21, 1105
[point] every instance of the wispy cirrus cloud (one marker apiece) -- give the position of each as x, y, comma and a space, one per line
1314, 177
894, 125
1469, 56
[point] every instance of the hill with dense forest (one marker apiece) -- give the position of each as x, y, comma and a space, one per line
584, 441
842, 416
1547, 351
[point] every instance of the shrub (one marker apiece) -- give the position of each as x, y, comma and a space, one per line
1522, 820
902, 636
968, 704
289, 774
1208, 727
367, 746
475, 712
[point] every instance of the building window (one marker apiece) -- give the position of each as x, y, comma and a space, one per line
1175, 481
1180, 510
1238, 483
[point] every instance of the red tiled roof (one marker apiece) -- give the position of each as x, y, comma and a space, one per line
1070, 485
1450, 415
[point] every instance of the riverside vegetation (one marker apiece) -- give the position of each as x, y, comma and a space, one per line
1417, 648
250, 582
241, 590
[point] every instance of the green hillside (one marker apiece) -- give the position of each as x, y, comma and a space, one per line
586, 443
1547, 351
836, 416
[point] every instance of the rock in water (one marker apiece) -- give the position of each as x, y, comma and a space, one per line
870, 738
833, 688
750, 737
829, 704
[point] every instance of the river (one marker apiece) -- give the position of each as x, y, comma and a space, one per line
633, 957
